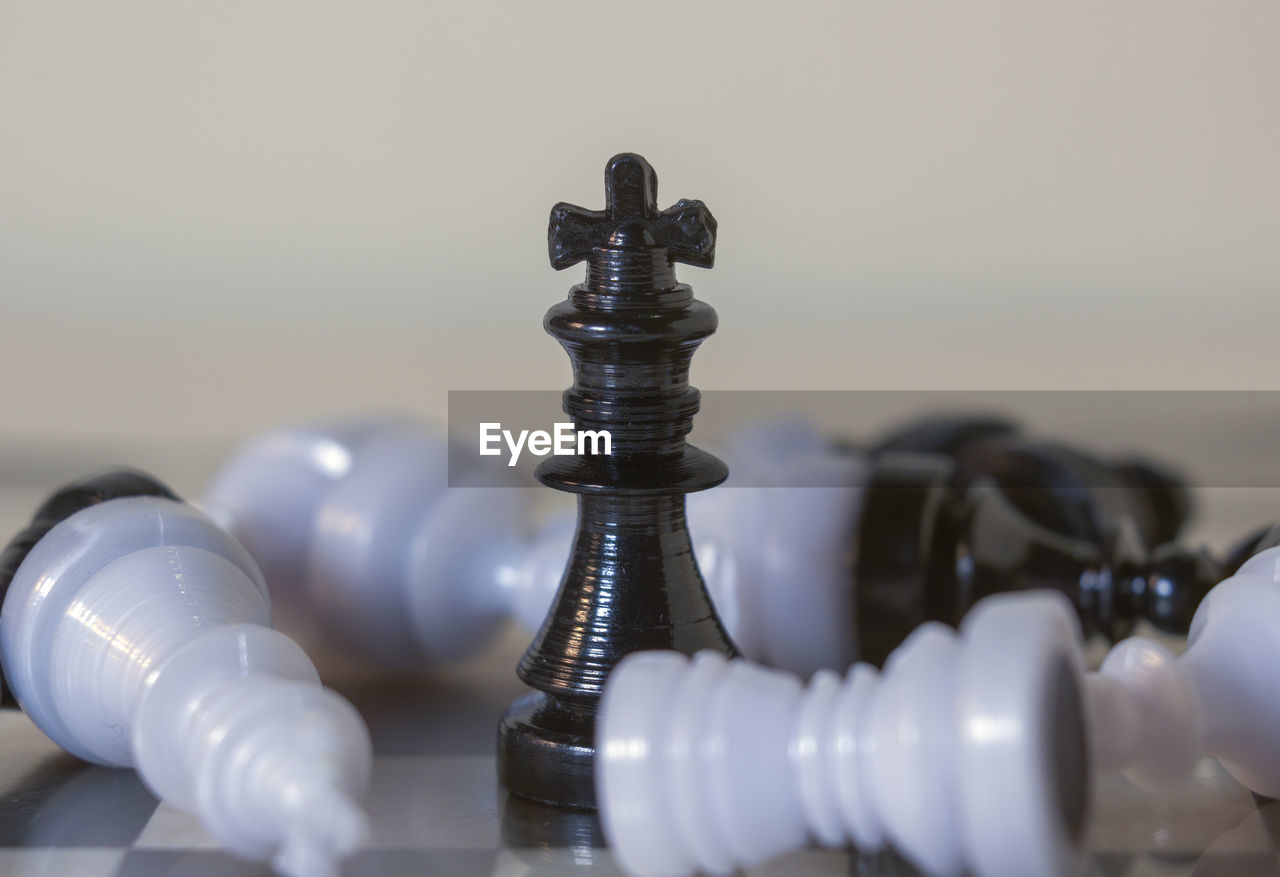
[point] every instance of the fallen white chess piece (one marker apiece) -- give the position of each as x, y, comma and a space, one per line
972, 751
967, 752
356, 530
135, 633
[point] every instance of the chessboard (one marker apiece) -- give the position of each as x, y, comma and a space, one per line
436, 806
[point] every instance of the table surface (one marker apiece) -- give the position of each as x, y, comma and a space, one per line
435, 803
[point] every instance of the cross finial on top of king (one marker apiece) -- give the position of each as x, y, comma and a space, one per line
631, 221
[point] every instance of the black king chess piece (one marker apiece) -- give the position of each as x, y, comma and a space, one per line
632, 582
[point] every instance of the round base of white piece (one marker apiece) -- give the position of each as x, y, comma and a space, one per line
46, 593
1025, 777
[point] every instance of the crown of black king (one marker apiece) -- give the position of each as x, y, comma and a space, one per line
631, 329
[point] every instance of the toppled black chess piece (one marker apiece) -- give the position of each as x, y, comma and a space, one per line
958, 508
632, 582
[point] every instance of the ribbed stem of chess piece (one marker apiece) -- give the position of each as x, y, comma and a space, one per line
135, 634
632, 583
967, 753
1155, 713
362, 540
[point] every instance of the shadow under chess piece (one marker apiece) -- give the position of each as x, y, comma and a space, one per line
85, 806
632, 582
1250, 848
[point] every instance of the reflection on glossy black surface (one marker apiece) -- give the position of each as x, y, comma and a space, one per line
542, 839
632, 581
529, 824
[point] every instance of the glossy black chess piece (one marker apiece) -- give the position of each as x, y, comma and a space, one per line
957, 508
632, 582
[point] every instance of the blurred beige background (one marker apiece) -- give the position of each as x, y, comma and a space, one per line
215, 217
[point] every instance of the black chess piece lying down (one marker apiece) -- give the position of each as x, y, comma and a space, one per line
926, 521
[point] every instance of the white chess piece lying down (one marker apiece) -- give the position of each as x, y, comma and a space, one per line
972, 751
357, 531
136, 634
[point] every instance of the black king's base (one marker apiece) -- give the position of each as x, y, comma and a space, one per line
632, 582
632, 585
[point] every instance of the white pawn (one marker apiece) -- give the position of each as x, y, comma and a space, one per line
967, 753
1155, 715
356, 528
135, 633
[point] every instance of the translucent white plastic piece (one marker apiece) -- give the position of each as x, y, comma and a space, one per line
294, 467
135, 634
1155, 714
357, 527
778, 559
968, 753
